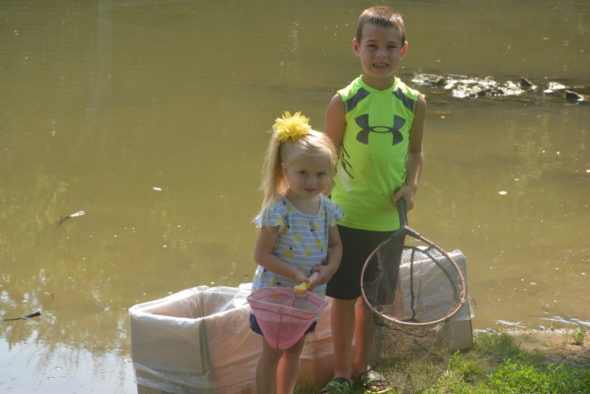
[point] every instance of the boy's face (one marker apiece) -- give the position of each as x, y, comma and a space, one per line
380, 51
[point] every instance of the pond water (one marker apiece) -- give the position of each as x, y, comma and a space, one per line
133, 134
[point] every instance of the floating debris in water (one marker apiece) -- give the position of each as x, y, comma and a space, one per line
526, 84
156, 188
582, 322
463, 86
509, 323
573, 96
72, 215
553, 86
563, 320
26, 317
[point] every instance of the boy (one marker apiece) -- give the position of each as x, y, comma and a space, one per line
377, 123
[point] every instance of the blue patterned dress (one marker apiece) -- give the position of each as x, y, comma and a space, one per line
302, 241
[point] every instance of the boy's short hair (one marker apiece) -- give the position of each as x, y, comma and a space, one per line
381, 16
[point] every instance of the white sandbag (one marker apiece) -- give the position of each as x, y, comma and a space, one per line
197, 340
458, 328
429, 280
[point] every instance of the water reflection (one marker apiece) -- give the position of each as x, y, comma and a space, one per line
152, 118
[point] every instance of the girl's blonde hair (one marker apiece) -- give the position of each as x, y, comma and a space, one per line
292, 136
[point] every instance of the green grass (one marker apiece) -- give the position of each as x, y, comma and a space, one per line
576, 336
496, 364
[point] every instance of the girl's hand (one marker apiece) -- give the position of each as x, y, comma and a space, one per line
304, 285
300, 277
313, 280
321, 275
308, 284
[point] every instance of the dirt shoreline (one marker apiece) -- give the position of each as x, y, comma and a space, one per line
554, 344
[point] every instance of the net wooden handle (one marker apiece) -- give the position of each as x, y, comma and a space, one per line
401, 209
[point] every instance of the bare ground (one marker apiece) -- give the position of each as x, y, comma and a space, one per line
556, 345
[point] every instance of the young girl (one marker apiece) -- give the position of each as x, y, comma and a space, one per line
298, 234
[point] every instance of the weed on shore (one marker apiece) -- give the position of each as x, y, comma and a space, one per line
497, 363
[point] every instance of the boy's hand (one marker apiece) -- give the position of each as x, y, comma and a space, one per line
406, 192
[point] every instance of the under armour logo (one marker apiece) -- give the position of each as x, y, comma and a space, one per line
363, 135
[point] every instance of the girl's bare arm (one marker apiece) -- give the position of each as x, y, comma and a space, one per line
267, 237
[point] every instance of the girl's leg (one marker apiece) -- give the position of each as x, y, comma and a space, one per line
266, 370
288, 368
342, 325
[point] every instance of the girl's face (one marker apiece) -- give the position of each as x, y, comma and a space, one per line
380, 51
307, 176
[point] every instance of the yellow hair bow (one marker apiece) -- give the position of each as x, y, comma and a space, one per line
291, 128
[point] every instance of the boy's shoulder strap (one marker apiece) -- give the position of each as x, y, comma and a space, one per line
401, 85
354, 93
350, 88
405, 94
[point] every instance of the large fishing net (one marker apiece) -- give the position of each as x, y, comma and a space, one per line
414, 289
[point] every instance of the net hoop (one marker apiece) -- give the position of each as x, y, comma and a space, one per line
462, 297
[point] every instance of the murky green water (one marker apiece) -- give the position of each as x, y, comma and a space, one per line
151, 117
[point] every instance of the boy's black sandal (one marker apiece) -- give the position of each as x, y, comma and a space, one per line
338, 385
374, 382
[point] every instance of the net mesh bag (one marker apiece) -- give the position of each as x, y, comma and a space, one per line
411, 358
283, 314
413, 291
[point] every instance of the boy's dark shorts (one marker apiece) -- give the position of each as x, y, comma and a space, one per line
256, 328
357, 245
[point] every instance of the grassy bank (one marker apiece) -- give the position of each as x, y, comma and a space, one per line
514, 362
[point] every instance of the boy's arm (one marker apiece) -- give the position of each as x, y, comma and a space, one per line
267, 237
335, 121
415, 156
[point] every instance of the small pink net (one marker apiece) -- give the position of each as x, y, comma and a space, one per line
283, 314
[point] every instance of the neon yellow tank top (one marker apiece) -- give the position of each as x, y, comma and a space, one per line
372, 163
